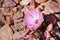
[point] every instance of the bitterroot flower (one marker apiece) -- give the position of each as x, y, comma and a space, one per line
33, 19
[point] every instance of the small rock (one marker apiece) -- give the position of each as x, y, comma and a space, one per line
1, 3
24, 2
55, 6
17, 15
58, 24
36, 39
17, 35
14, 9
6, 11
47, 9
58, 16
50, 7
16, 1
17, 12
21, 38
17, 18
5, 33
25, 9
58, 33
20, 26
40, 1
52, 39
8, 3
36, 35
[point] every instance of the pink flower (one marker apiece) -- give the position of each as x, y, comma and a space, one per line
47, 35
33, 19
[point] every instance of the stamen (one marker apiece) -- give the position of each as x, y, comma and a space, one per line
36, 21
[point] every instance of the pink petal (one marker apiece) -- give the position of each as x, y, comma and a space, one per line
47, 35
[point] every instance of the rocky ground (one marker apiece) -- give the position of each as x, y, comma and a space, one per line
12, 26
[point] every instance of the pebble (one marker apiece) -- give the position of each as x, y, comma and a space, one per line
40, 1
58, 24
6, 33
24, 2
8, 3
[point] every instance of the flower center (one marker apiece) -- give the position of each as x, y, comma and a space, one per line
36, 21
